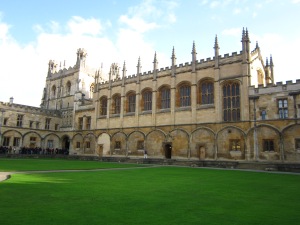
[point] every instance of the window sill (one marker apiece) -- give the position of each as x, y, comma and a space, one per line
188, 108
130, 114
206, 106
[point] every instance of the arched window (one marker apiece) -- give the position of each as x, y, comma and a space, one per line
231, 101
207, 92
165, 98
131, 102
68, 88
116, 104
103, 106
147, 100
53, 91
184, 96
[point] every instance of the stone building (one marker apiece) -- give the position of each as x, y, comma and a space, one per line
222, 108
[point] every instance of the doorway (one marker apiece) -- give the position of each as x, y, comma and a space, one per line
66, 143
201, 152
100, 150
168, 150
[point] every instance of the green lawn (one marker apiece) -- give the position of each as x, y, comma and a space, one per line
154, 195
56, 164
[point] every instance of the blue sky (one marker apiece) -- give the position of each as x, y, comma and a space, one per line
33, 32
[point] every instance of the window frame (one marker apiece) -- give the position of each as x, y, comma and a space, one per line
231, 102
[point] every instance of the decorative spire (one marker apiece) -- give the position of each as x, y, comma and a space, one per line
155, 62
124, 70
138, 66
256, 46
267, 62
124, 74
271, 61
216, 47
173, 62
194, 57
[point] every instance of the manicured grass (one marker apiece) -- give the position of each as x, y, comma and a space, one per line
56, 164
157, 195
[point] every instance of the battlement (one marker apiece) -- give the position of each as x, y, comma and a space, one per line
273, 88
28, 109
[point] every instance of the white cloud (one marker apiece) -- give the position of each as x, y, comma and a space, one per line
295, 1
232, 32
138, 24
237, 11
78, 25
214, 4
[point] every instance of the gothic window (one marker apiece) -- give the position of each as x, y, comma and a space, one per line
53, 91
6, 141
68, 88
184, 96
50, 144
47, 124
147, 99
16, 141
268, 145
131, 102
56, 126
263, 114
140, 145
207, 92
165, 98
5, 121
37, 125
88, 123
88, 144
30, 124
231, 102
117, 104
297, 144
118, 145
80, 123
235, 144
77, 144
103, 106
19, 120
283, 108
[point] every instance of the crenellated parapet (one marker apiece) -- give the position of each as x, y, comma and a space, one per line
279, 87
29, 109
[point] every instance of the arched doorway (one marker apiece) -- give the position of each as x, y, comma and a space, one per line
168, 150
66, 143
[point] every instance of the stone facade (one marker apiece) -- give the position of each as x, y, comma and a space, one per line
221, 108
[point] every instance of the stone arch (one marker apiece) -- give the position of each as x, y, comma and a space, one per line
231, 143
51, 140
89, 143
180, 143
291, 142
32, 140
118, 143
135, 143
13, 136
66, 144
154, 143
202, 144
264, 133
103, 145
77, 143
